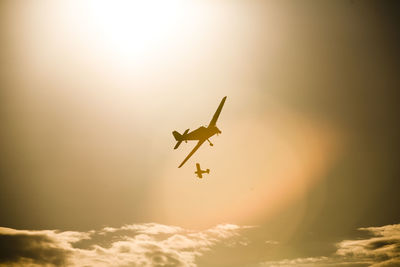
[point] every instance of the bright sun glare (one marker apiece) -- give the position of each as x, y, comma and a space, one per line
137, 29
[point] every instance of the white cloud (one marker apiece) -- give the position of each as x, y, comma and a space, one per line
152, 228
382, 249
271, 242
30, 248
148, 244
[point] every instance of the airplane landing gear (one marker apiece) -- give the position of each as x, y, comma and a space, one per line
211, 144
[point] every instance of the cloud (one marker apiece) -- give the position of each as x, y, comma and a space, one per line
380, 249
36, 247
147, 244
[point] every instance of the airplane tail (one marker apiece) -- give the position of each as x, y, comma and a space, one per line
179, 137
208, 171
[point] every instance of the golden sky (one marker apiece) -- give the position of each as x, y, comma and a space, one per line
305, 166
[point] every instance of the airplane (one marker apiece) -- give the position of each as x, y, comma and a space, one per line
201, 134
199, 171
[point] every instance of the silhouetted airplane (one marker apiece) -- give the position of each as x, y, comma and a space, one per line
199, 171
201, 134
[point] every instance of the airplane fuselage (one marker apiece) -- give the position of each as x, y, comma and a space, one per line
202, 133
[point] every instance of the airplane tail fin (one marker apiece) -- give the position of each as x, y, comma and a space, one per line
179, 137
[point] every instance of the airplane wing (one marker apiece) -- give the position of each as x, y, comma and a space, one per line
213, 121
192, 152
198, 167
199, 175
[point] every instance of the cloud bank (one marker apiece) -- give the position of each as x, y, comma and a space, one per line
153, 244
380, 249
148, 244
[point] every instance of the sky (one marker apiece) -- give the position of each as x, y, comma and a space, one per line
305, 172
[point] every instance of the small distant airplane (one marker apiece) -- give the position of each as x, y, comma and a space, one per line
200, 172
201, 134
